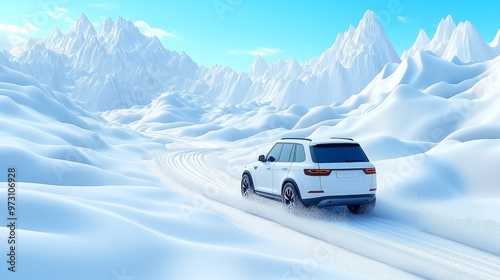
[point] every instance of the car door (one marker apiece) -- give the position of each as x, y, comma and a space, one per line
264, 173
282, 167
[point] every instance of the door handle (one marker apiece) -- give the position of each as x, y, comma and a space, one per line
284, 168
268, 168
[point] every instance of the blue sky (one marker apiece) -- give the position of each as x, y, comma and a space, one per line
231, 32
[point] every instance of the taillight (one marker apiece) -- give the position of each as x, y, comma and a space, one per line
317, 172
370, 170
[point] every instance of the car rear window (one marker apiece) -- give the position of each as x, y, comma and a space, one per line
335, 153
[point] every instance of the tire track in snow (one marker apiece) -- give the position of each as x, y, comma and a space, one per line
408, 249
462, 256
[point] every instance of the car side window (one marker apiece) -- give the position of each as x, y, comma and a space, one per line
286, 153
275, 152
300, 154
292, 154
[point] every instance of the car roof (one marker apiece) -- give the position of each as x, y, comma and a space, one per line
312, 142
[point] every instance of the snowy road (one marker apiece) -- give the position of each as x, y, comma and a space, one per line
374, 245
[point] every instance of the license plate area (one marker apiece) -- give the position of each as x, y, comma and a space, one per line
347, 174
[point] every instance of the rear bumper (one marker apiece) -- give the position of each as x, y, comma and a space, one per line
336, 200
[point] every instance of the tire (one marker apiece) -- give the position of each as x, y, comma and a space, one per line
247, 189
366, 208
291, 198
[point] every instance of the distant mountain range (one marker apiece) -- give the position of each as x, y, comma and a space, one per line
119, 67
452, 42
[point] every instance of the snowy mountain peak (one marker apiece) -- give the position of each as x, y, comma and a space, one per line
422, 38
122, 34
368, 20
443, 33
121, 23
258, 67
444, 29
115, 68
421, 43
368, 17
350, 30
106, 27
458, 43
368, 38
294, 69
293, 61
359, 54
56, 34
83, 26
368, 29
467, 45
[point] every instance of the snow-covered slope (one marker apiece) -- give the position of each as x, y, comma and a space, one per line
87, 201
62, 143
431, 127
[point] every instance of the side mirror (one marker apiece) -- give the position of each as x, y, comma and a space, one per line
262, 158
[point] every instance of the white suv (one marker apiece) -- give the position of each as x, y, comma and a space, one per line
305, 172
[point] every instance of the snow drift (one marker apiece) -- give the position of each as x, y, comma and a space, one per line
84, 193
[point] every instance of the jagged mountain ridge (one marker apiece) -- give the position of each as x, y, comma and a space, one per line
452, 41
467, 45
118, 67
344, 69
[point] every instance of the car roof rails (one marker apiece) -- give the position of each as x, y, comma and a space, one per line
342, 138
296, 138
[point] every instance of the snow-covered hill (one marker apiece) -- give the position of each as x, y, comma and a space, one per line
87, 201
431, 128
49, 134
